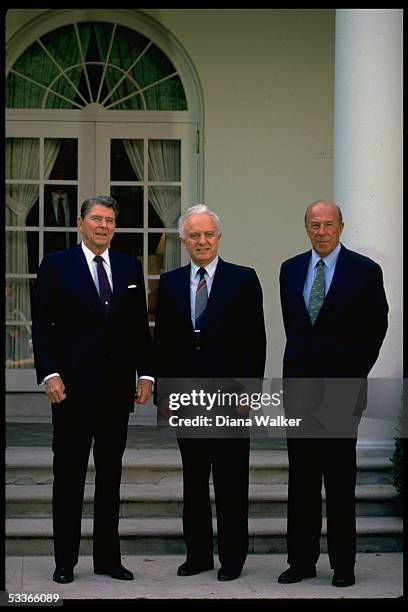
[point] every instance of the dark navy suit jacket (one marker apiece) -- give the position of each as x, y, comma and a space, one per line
96, 355
346, 338
232, 339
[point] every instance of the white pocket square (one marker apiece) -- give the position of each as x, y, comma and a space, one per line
132, 286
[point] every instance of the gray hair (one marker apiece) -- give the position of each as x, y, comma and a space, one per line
106, 201
325, 202
197, 209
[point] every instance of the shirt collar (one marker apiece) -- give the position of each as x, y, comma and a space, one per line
90, 255
210, 268
330, 260
56, 196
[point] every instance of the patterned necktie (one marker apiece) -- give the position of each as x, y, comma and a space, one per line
60, 212
201, 299
105, 291
317, 293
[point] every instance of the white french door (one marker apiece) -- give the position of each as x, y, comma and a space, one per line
150, 168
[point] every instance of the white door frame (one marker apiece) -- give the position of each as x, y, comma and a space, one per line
96, 125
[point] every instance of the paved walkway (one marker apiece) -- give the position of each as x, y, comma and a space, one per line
378, 576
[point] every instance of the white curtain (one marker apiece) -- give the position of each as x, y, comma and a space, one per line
22, 163
164, 165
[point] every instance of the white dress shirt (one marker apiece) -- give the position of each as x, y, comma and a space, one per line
93, 266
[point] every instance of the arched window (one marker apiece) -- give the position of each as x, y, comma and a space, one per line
90, 62
98, 101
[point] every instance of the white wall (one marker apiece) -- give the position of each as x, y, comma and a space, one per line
268, 79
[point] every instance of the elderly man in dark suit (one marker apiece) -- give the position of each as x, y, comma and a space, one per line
220, 334
91, 336
335, 317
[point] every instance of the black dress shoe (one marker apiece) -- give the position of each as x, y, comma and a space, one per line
294, 574
345, 579
119, 573
226, 573
63, 575
191, 569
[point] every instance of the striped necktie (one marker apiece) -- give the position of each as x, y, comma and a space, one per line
317, 293
201, 299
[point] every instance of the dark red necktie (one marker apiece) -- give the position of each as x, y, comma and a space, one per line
105, 291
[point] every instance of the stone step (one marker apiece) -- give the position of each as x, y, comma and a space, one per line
165, 500
28, 465
164, 536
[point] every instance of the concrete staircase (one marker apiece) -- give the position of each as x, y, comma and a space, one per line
151, 503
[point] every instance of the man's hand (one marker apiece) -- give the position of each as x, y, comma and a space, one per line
55, 389
143, 390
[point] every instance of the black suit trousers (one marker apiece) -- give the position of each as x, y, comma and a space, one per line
228, 459
312, 462
74, 430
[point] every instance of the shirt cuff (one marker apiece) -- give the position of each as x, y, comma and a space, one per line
146, 377
44, 380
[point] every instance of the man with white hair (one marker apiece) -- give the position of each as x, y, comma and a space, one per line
210, 324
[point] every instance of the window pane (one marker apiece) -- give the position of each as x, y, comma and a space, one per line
59, 241
21, 93
32, 219
164, 253
19, 346
36, 64
19, 353
164, 160
126, 160
132, 244
127, 47
60, 206
62, 44
166, 204
130, 201
153, 288
18, 299
125, 89
22, 158
62, 154
21, 252
65, 89
153, 65
168, 95
20, 201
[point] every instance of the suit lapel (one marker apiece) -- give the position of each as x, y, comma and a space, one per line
301, 272
220, 291
182, 287
299, 283
83, 278
119, 273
